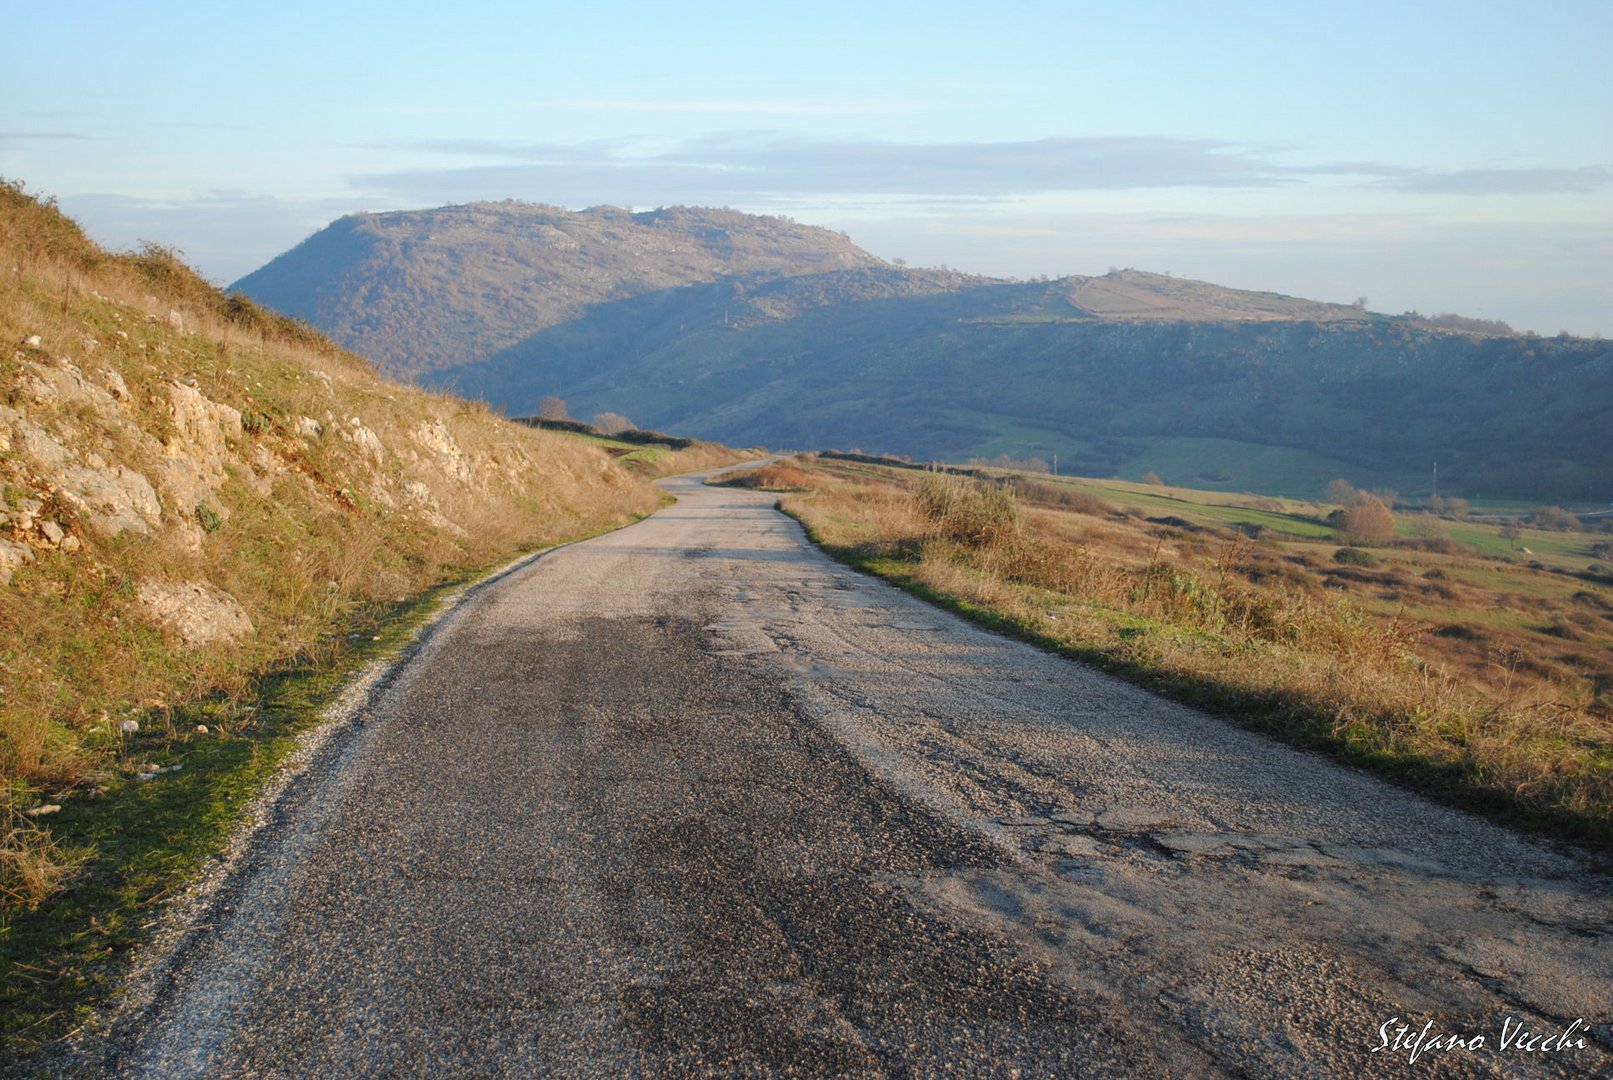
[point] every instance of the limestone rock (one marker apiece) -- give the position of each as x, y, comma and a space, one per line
204, 425
115, 385
434, 436
365, 439
13, 556
114, 499
65, 385
38, 445
199, 613
419, 494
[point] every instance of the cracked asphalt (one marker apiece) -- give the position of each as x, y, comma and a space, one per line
691, 800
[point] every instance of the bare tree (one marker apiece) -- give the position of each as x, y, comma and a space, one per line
1340, 492
1369, 520
609, 423
553, 408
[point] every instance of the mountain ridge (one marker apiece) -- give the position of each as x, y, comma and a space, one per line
417, 290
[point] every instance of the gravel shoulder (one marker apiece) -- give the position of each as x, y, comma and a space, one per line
692, 799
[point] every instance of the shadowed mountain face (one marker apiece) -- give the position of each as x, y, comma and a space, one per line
758, 330
988, 369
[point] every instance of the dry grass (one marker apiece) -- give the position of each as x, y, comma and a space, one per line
777, 476
1279, 634
32, 864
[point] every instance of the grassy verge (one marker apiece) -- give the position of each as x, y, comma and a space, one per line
1266, 634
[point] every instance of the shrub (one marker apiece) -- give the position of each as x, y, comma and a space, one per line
975, 512
1351, 556
1554, 518
1368, 520
1044, 493
779, 476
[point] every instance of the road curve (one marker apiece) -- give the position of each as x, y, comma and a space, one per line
689, 799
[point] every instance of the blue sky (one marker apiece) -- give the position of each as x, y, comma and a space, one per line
1436, 156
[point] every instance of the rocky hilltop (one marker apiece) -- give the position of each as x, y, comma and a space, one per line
418, 290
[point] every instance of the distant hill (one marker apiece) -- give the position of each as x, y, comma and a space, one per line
757, 330
1266, 402
418, 290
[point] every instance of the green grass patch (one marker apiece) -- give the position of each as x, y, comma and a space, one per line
1230, 465
1292, 520
1565, 550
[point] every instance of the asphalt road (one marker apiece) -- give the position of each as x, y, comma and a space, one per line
689, 799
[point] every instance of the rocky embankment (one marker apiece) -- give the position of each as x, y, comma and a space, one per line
194, 489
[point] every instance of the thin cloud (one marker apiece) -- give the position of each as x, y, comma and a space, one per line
224, 234
764, 108
1505, 181
594, 151
21, 136
762, 165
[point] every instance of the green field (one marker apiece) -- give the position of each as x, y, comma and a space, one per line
1226, 465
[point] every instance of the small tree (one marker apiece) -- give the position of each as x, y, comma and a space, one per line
1369, 520
609, 423
1340, 492
553, 408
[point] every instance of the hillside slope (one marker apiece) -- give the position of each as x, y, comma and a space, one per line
195, 491
1024, 369
414, 291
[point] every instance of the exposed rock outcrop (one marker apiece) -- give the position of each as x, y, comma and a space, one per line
200, 614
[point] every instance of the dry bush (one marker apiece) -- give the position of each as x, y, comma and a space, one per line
32, 864
1554, 519
975, 512
1368, 520
1045, 493
779, 476
609, 423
